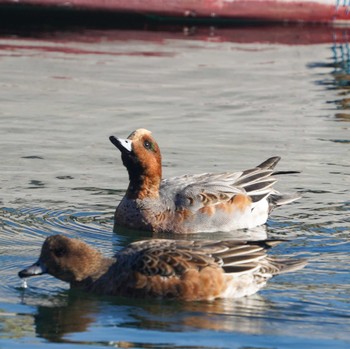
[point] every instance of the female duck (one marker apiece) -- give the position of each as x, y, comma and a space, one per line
187, 270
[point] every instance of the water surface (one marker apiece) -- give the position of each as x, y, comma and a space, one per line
215, 101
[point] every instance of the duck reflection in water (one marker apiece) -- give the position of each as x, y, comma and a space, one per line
81, 311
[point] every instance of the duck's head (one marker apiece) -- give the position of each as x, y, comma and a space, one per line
67, 259
140, 154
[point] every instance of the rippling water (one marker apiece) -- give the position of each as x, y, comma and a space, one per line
215, 101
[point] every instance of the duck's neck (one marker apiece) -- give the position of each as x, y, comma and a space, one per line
143, 186
145, 176
96, 270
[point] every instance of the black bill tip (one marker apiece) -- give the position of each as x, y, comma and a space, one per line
35, 269
114, 141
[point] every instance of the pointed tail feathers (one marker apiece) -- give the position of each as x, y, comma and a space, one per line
285, 265
280, 200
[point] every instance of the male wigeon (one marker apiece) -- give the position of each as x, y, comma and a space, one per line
188, 270
206, 202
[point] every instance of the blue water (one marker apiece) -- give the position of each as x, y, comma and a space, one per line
215, 100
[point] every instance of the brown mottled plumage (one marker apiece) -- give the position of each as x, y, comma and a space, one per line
188, 270
207, 202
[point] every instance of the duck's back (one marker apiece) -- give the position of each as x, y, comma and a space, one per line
206, 202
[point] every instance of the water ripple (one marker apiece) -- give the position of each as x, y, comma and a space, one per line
35, 222
25, 229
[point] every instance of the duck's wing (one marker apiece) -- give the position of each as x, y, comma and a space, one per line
251, 256
174, 257
165, 257
197, 191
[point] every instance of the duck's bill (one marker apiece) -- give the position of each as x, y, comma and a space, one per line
124, 145
36, 269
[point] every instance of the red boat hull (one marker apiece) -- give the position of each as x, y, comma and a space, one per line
308, 11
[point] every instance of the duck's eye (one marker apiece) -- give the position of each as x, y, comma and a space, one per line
148, 145
59, 252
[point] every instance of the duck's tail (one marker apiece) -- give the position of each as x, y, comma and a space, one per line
278, 199
285, 265
271, 163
